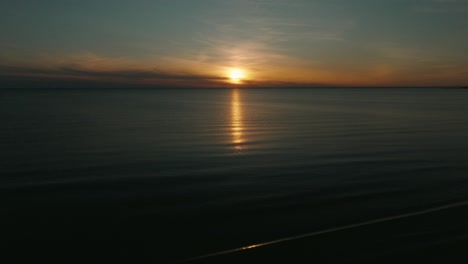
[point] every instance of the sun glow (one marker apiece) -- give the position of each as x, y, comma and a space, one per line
236, 75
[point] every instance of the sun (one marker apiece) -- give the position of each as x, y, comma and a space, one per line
236, 75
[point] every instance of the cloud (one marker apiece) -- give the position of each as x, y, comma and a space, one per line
68, 77
124, 74
260, 33
136, 74
70, 74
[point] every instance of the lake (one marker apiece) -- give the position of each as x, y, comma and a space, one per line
169, 174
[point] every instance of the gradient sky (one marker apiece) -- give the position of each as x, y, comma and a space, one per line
196, 42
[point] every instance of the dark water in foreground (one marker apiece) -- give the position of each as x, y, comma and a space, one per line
169, 174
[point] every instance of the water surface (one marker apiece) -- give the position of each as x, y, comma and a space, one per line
194, 171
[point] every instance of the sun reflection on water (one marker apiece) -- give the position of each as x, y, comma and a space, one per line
237, 126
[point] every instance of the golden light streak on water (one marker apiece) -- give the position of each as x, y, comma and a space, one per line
237, 126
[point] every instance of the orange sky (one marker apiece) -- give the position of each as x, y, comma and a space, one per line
274, 43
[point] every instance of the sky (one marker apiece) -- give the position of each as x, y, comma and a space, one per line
199, 43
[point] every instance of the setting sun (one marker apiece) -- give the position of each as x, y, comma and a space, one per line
236, 75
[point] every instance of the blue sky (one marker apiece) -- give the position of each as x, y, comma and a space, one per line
274, 42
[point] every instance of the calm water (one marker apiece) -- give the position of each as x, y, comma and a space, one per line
188, 172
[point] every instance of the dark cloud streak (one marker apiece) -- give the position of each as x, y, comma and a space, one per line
76, 76
137, 74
